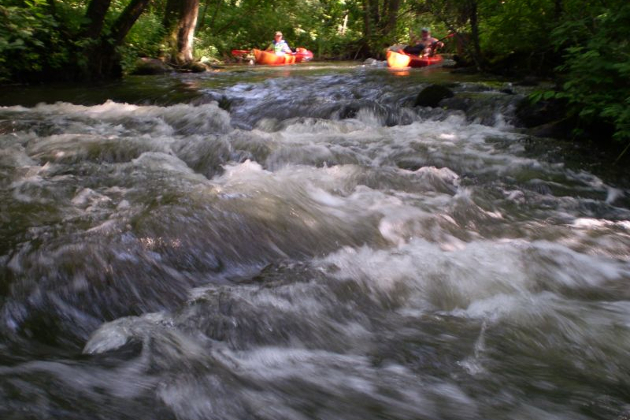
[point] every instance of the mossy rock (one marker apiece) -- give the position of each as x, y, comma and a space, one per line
149, 66
198, 67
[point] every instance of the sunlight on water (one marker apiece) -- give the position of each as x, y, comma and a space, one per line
305, 245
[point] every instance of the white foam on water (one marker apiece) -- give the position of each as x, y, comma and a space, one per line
590, 223
118, 118
479, 273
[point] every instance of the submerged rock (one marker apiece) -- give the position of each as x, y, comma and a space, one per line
374, 62
432, 95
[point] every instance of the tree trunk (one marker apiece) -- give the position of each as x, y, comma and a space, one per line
474, 32
557, 11
392, 16
180, 19
374, 12
186, 30
201, 18
344, 25
367, 27
104, 61
201, 21
52, 6
171, 14
96, 11
215, 14
464, 12
127, 18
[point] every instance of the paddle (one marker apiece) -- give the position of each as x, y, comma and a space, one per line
451, 35
434, 46
236, 53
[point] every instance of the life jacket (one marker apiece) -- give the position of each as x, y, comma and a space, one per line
280, 47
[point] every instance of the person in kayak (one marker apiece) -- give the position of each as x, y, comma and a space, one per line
425, 46
279, 45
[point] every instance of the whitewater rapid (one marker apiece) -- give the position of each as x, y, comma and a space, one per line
337, 254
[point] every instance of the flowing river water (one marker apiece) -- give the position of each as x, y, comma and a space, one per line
303, 243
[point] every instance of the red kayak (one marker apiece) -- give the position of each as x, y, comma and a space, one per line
302, 55
270, 58
399, 60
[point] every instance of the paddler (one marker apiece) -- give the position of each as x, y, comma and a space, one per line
279, 45
425, 46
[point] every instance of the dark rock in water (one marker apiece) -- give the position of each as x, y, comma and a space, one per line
432, 95
148, 66
542, 112
528, 81
508, 90
560, 129
487, 108
225, 103
464, 69
198, 67
551, 118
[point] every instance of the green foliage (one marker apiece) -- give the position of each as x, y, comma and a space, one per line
37, 36
25, 34
541, 95
144, 39
205, 50
511, 26
596, 69
313, 24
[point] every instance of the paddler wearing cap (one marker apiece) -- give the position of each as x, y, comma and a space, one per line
425, 45
279, 45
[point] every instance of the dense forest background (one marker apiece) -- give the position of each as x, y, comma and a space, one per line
582, 45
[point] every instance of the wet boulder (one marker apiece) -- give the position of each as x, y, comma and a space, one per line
460, 103
551, 118
432, 95
148, 66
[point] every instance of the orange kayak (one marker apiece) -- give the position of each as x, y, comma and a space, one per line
398, 60
271, 59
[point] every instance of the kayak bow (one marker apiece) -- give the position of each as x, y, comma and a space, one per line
399, 60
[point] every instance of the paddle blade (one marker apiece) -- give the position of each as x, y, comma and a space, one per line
236, 53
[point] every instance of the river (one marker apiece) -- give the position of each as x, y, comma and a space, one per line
303, 243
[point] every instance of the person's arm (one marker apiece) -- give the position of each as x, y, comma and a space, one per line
436, 43
286, 48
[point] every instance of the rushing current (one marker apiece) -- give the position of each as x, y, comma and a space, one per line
303, 243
